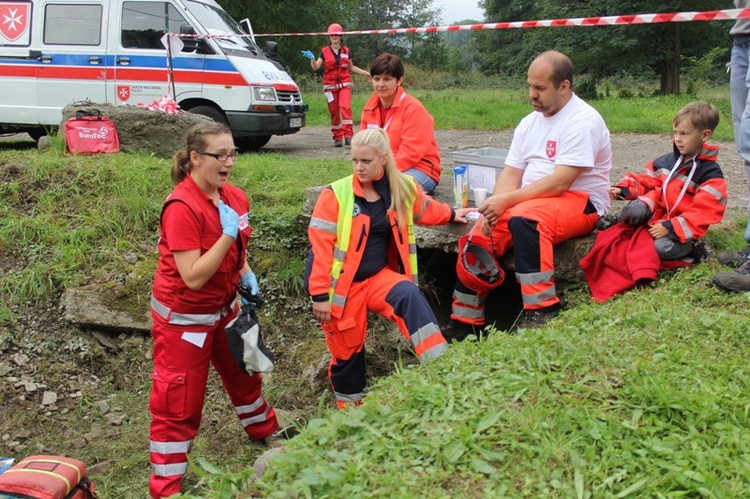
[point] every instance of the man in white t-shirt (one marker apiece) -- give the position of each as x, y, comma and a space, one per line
553, 187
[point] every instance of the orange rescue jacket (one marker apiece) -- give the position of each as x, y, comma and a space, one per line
411, 131
704, 200
323, 231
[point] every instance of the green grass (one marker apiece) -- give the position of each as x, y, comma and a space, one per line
502, 108
646, 395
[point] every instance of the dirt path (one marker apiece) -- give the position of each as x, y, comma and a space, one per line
630, 152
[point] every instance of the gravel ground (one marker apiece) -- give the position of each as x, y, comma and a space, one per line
630, 152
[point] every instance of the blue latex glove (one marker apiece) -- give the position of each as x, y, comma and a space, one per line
250, 282
230, 220
308, 54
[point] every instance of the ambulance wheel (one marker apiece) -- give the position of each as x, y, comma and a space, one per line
210, 112
252, 143
36, 133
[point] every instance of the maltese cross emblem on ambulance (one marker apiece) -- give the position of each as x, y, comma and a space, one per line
551, 148
123, 92
14, 20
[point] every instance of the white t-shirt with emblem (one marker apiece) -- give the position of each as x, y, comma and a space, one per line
575, 136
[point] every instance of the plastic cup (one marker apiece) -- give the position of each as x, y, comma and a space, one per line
480, 194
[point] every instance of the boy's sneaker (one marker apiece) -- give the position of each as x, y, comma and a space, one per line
607, 221
733, 258
537, 317
701, 253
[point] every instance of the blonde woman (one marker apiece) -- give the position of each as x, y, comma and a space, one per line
363, 258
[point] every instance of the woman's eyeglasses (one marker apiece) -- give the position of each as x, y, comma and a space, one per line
220, 156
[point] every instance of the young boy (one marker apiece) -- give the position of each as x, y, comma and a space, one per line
681, 193
673, 203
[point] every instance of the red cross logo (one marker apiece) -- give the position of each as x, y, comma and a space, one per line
14, 20
123, 92
551, 148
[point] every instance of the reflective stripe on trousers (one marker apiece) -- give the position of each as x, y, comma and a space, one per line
187, 319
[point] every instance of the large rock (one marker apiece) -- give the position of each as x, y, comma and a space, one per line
141, 130
92, 307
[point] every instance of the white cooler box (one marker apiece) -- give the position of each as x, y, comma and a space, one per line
483, 166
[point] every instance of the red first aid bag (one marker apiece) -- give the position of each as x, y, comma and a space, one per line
47, 477
90, 133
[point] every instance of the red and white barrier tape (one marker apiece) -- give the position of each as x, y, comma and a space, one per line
674, 17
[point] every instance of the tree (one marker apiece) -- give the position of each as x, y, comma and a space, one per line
602, 51
281, 16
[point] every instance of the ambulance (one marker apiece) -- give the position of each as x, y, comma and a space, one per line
59, 52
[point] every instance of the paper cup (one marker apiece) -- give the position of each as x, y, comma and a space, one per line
480, 194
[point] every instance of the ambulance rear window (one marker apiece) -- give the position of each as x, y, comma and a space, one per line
72, 24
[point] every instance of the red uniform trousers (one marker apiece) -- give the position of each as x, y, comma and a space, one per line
532, 228
399, 300
340, 108
178, 391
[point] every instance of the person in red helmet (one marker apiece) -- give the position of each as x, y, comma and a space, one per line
203, 239
337, 83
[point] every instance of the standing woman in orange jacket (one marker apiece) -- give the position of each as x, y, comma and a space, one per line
202, 244
337, 83
410, 127
363, 258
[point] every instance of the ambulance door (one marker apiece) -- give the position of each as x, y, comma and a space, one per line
145, 70
73, 63
17, 61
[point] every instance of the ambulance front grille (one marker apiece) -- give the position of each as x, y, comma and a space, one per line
288, 96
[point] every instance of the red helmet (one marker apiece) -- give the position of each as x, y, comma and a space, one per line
335, 29
476, 266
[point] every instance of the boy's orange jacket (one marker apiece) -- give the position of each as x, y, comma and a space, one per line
703, 202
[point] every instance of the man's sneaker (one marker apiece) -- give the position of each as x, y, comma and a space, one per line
537, 317
607, 221
733, 258
733, 281
744, 268
348, 141
457, 331
701, 253
338, 143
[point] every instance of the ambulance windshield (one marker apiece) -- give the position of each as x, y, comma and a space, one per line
224, 30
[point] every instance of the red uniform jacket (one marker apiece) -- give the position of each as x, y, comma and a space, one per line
219, 291
336, 69
411, 131
426, 211
703, 203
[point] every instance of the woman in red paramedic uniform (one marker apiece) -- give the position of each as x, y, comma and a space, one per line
202, 248
337, 83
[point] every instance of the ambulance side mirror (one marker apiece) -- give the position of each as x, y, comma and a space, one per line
272, 50
191, 42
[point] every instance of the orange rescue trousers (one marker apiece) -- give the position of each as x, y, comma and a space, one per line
532, 228
399, 300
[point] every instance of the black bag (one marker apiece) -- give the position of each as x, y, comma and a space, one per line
244, 338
